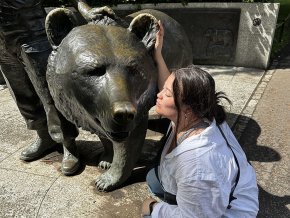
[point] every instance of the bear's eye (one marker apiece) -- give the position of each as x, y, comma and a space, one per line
99, 71
132, 70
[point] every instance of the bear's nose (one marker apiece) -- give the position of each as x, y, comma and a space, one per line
123, 112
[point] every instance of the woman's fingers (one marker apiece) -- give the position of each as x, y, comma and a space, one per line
159, 36
161, 29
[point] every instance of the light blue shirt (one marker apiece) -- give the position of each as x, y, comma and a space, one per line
201, 172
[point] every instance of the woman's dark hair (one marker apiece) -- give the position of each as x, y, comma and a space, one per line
195, 87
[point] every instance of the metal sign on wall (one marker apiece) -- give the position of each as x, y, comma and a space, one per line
213, 33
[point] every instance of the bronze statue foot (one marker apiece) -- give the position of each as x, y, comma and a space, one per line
70, 162
110, 179
106, 182
106, 159
104, 165
37, 149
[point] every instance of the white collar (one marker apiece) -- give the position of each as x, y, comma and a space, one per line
193, 142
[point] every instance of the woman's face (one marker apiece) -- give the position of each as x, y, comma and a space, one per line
165, 105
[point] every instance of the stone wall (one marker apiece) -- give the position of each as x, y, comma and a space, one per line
255, 32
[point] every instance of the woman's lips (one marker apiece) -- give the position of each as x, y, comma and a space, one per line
157, 104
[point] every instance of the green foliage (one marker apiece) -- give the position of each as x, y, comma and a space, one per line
282, 32
284, 9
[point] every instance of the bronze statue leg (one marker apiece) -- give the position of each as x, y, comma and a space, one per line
122, 166
22, 23
27, 101
60, 129
31, 108
107, 156
70, 161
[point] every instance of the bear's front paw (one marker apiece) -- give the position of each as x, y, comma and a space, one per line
104, 165
106, 182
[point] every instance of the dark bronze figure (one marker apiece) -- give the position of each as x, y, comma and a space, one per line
102, 77
24, 50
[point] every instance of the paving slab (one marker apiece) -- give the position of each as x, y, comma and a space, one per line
21, 193
41, 167
3, 155
76, 197
12, 125
10, 141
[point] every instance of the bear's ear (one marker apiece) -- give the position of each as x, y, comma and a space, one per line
145, 26
58, 23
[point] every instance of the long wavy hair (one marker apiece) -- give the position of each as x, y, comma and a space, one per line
195, 87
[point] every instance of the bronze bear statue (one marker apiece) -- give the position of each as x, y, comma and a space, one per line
102, 77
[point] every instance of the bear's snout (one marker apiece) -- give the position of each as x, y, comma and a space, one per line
123, 112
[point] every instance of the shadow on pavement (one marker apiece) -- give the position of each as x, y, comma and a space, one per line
271, 206
91, 151
255, 152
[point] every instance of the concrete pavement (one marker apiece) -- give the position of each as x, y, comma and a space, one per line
266, 140
38, 189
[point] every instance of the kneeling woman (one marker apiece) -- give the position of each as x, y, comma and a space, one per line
203, 171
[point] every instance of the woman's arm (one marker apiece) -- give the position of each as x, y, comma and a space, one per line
163, 72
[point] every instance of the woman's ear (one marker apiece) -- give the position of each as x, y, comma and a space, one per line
186, 109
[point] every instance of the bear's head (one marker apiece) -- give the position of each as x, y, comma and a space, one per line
102, 77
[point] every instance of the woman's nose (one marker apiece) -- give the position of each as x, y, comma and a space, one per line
159, 95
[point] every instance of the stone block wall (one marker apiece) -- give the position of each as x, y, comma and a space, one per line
255, 34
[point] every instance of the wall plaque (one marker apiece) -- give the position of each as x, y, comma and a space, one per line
212, 32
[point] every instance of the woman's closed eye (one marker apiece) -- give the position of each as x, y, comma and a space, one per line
167, 92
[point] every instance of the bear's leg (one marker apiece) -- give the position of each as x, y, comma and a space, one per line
125, 157
107, 156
